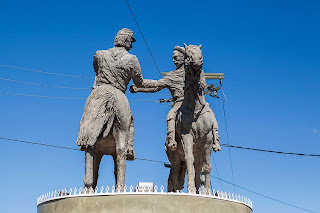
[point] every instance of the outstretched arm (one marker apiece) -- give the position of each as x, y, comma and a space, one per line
138, 78
134, 89
144, 85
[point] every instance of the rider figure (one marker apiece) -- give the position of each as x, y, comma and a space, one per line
114, 67
175, 82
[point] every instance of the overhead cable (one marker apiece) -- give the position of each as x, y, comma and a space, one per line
60, 87
162, 162
226, 126
40, 96
154, 61
253, 149
270, 151
265, 196
43, 72
37, 143
215, 165
43, 85
67, 98
224, 96
69, 148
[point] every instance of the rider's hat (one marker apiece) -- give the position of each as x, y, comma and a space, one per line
127, 32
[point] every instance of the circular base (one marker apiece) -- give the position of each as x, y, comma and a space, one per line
143, 203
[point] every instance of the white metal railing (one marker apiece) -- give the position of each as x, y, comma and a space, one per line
54, 195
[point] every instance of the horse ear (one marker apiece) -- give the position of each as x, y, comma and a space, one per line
184, 45
200, 46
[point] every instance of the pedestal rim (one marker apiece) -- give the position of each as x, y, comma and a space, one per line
145, 193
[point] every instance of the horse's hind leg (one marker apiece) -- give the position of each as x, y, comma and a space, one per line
198, 168
96, 163
88, 174
182, 175
115, 167
92, 162
120, 140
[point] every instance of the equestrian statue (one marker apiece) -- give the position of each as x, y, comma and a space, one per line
192, 129
107, 126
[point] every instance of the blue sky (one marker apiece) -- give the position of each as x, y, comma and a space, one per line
268, 50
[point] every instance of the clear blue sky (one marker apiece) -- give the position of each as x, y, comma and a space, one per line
268, 50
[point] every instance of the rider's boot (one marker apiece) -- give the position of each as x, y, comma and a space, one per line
216, 143
171, 141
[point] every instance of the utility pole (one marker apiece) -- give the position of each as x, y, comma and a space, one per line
208, 75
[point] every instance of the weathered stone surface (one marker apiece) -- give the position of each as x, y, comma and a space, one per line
107, 127
192, 126
174, 81
142, 204
196, 128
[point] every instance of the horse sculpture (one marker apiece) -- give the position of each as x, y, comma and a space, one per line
196, 129
106, 129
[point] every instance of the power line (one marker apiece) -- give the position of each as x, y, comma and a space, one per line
43, 72
68, 148
226, 126
215, 165
156, 161
162, 162
226, 145
67, 98
40, 96
60, 87
37, 143
265, 196
224, 96
143, 38
43, 85
271, 151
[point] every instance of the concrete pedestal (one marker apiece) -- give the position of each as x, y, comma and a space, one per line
143, 203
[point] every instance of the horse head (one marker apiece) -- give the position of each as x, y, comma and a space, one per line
193, 58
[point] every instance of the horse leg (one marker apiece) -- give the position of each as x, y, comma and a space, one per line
115, 168
120, 140
187, 141
182, 175
174, 174
88, 174
207, 157
198, 167
96, 163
